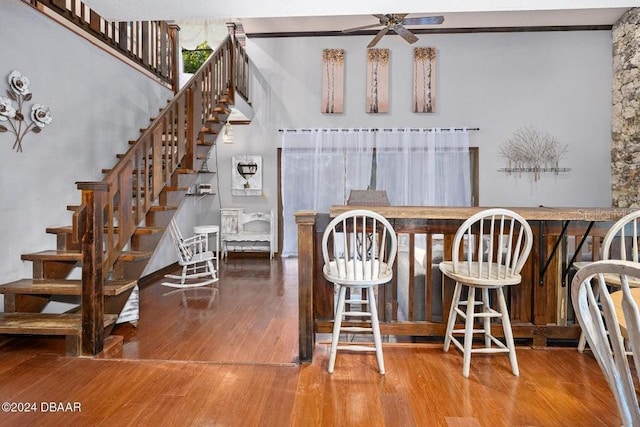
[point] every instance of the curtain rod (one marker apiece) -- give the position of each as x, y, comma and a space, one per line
380, 129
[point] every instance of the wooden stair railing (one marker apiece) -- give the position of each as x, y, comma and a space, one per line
116, 214
153, 45
114, 207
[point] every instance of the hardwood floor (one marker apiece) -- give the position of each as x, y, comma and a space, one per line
252, 318
195, 360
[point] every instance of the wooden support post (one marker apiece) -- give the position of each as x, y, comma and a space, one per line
173, 32
306, 245
93, 196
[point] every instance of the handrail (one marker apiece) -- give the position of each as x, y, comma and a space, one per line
119, 203
152, 45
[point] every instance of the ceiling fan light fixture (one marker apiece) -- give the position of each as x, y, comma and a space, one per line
396, 22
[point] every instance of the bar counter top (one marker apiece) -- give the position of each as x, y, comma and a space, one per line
528, 213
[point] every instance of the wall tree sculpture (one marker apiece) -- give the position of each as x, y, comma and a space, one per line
529, 150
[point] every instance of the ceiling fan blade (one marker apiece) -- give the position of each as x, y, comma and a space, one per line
364, 27
427, 20
405, 34
377, 38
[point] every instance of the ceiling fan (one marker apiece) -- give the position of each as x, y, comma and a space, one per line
396, 22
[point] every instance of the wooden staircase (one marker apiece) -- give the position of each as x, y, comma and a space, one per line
120, 220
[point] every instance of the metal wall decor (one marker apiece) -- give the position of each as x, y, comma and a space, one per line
12, 119
529, 150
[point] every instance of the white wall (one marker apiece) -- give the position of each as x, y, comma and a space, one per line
98, 103
559, 82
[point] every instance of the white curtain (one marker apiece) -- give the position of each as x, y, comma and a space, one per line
419, 167
424, 167
194, 32
319, 169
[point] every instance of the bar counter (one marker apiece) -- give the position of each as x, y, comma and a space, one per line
540, 307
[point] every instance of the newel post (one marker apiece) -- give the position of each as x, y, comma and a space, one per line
306, 221
92, 230
174, 32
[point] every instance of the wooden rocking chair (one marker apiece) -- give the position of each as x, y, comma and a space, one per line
196, 262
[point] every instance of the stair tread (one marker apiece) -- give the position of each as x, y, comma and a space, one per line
45, 323
61, 287
67, 229
134, 255
162, 208
222, 110
209, 131
61, 255
185, 171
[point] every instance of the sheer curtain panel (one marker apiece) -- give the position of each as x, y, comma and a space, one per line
319, 169
424, 167
419, 167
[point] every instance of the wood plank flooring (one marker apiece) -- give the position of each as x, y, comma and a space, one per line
197, 359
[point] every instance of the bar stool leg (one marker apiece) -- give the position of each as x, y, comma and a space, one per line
375, 326
337, 323
468, 331
486, 307
508, 334
452, 316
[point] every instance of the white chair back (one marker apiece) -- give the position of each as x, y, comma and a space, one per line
601, 315
494, 243
184, 252
359, 246
621, 241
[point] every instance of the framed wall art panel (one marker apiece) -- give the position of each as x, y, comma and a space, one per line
332, 81
378, 80
424, 67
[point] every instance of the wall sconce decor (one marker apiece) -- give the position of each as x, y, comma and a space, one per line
529, 150
227, 133
13, 117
